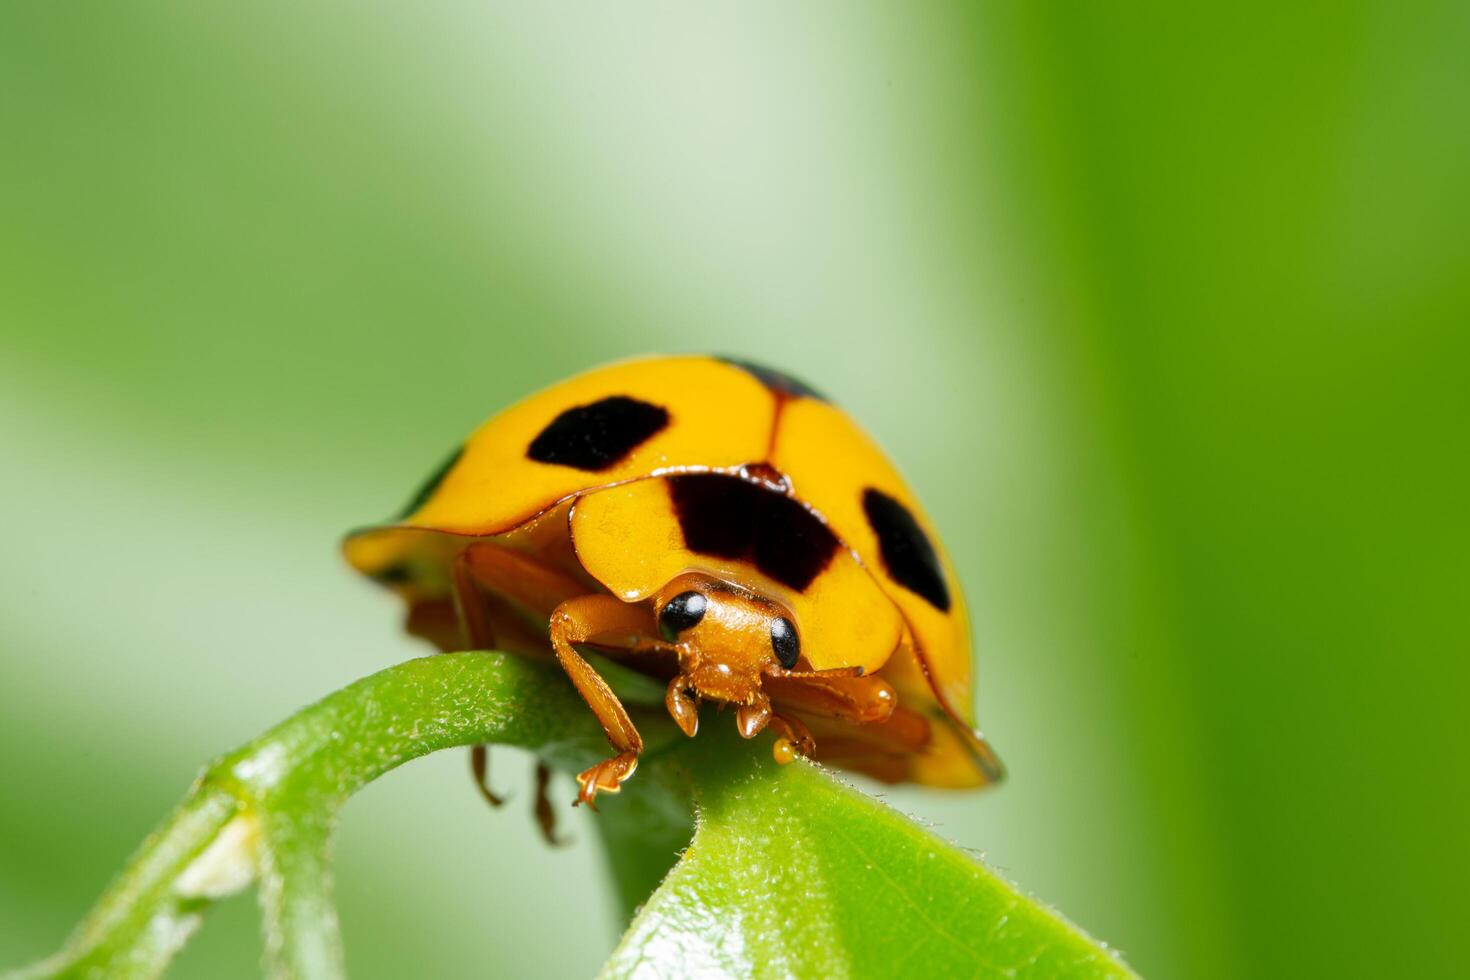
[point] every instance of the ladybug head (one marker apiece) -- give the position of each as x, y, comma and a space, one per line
728, 640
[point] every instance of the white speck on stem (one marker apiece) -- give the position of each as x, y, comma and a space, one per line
228, 865
265, 768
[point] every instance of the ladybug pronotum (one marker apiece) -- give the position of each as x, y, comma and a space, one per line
721, 526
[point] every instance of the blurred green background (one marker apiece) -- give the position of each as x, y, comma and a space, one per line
1164, 313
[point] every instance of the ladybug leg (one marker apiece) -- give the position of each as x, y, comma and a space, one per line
869, 703
860, 700
513, 575
903, 733
604, 619
482, 567
545, 816
792, 730
470, 605
476, 633
480, 769
585, 618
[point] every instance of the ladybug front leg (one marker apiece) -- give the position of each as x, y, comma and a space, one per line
602, 619
484, 570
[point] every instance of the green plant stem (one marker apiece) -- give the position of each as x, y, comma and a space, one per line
286, 789
140, 922
298, 914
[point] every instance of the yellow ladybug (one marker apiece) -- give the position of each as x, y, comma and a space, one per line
720, 525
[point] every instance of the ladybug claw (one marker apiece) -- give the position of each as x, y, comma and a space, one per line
796, 733
605, 777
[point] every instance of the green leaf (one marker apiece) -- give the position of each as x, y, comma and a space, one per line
792, 873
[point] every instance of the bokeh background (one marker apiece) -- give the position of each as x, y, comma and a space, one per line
1164, 312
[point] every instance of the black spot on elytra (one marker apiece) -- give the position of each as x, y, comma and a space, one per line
907, 552
727, 517
596, 436
426, 491
778, 381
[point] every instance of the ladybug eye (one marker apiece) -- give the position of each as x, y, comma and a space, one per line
681, 612
785, 642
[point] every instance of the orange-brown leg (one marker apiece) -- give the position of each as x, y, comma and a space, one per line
485, 565
469, 604
790, 728
436, 621
884, 749
545, 816
582, 619
513, 575
475, 634
607, 620
480, 769
861, 700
